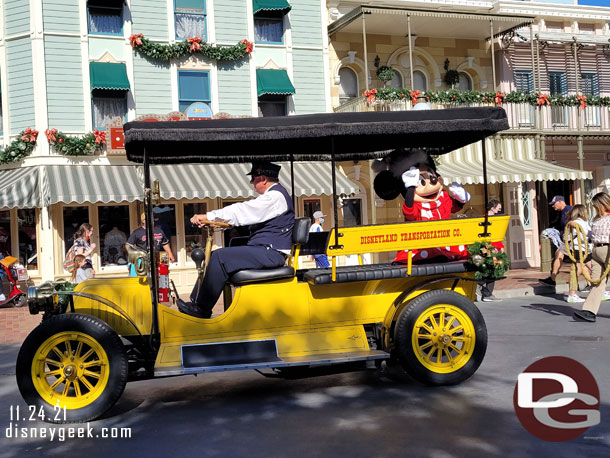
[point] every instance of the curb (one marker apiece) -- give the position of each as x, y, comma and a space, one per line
532, 291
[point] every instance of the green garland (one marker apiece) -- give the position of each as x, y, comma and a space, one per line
489, 262
160, 51
467, 97
385, 73
20, 147
69, 145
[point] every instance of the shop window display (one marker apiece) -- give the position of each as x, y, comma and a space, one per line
73, 218
193, 235
28, 254
114, 230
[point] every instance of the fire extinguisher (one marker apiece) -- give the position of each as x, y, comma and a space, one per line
163, 280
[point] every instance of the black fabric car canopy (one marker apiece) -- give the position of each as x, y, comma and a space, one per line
350, 136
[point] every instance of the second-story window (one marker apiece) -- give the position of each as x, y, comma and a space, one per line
190, 19
193, 86
348, 84
272, 105
106, 106
105, 17
524, 81
558, 83
269, 27
589, 83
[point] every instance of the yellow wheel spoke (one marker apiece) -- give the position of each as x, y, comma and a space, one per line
453, 347
424, 336
439, 355
85, 382
57, 383
89, 353
441, 320
91, 374
434, 325
458, 339
423, 347
68, 349
66, 388
450, 322
427, 328
456, 329
79, 348
77, 392
448, 354
92, 363
53, 373
52, 362
58, 353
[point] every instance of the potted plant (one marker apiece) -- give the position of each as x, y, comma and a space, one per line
385, 73
452, 77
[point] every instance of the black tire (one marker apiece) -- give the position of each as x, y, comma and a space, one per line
86, 389
455, 354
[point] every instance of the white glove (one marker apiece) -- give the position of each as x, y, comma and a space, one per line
459, 193
411, 177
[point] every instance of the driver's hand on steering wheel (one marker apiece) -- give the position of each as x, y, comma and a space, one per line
199, 220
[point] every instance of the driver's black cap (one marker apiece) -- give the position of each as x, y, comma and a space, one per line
264, 168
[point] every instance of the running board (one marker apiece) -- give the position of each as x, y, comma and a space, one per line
311, 361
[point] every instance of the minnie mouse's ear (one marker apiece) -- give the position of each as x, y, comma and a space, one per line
387, 186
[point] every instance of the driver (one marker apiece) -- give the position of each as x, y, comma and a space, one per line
270, 217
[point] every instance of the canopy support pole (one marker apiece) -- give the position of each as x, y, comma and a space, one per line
534, 78
294, 201
486, 223
335, 209
150, 238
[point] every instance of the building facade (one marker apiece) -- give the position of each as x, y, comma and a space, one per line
70, 68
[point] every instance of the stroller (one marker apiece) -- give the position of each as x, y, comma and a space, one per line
14, 273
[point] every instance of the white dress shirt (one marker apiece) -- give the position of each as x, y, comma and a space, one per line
266, 206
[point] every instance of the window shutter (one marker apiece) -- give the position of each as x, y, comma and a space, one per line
194, 86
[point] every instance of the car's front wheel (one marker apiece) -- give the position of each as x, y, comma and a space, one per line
72, 367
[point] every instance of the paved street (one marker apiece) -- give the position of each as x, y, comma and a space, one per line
357, 414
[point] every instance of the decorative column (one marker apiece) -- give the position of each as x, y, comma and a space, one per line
493, 57
366, 60
410, 50
580, 153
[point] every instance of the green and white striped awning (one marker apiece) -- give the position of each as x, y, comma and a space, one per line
200, 181
518, 163
22, 188
93, 183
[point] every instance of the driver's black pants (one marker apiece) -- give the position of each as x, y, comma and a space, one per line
224, 262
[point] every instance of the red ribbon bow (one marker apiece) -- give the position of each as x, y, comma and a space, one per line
136, 40
29, 135
50, 133
583, 101
414, 95
195, 43
370, 96
499, 98
100, 136
543, 99
249, 45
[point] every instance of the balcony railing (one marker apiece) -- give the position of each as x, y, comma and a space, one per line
521, 116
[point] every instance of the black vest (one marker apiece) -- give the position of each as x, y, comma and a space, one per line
276, 232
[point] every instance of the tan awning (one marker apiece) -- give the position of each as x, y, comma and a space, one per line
200, 181
425, 23
518, 164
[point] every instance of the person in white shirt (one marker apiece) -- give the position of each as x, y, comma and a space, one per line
321, 259
271, 219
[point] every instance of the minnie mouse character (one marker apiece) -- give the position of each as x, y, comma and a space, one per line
414, 175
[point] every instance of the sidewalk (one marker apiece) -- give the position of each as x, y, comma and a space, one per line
16, 323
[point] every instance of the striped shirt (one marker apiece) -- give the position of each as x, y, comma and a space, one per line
600, 230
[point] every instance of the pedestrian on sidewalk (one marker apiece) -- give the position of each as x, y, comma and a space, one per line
600, 236
318, 220
494, 207
559, 204
578, 217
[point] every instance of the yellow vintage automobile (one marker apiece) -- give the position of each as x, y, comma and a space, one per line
287, 321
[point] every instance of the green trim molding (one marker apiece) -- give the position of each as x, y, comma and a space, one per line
271, 5
105, 75
275, 82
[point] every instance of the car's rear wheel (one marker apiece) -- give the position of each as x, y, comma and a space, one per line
441, 338
72, 367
